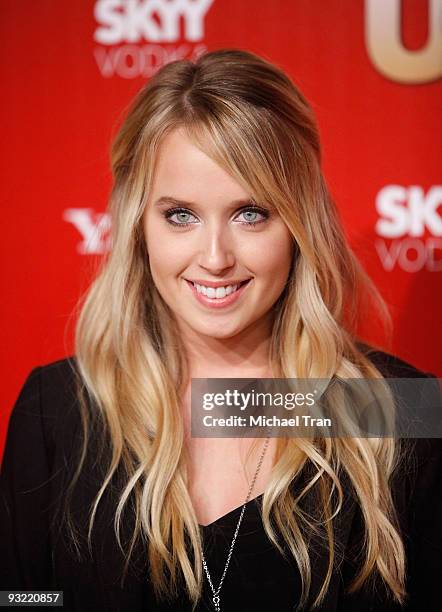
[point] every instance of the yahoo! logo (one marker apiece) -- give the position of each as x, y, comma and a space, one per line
94, 229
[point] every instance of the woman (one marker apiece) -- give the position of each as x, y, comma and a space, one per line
228, 261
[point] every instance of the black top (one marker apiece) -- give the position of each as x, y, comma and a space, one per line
43, 438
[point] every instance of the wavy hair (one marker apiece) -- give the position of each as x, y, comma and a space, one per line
250, 118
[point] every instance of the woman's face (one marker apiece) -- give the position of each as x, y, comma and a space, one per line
218, 262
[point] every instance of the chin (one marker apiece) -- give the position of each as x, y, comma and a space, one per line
220, 333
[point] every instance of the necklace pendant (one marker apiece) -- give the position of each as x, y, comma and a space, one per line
215, 600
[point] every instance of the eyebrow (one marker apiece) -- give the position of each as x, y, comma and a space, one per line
168, 200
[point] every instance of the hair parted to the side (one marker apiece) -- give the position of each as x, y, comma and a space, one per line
250, 118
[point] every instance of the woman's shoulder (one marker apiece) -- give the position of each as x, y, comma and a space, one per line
46, 406
423, 451
391, 366
50, 387
62, 371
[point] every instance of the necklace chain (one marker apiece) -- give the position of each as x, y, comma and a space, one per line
216, 596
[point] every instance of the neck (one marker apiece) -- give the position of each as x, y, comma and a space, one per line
243, 355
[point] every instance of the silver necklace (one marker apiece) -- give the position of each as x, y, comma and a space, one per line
216, 597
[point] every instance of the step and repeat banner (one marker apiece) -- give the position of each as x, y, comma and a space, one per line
371, 70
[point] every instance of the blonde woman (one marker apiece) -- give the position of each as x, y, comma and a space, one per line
228, 261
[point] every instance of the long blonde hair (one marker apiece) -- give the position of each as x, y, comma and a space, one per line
250, 118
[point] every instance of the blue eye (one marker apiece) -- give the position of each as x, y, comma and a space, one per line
251, 213
182, 216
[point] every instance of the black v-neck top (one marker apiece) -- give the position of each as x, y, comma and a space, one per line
235, 511
258, 577
43, 437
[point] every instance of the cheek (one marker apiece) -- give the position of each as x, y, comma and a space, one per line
164, 256
271, 257
166, 253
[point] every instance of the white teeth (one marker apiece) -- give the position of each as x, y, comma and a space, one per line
218, 292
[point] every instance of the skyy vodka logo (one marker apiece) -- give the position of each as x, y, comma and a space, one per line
137, 37
409, 228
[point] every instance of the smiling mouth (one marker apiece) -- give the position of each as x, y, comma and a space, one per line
217, 292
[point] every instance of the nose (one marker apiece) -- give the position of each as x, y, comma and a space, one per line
217, 251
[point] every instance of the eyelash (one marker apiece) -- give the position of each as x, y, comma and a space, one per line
171, 211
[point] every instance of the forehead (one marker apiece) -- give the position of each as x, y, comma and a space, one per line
183, 170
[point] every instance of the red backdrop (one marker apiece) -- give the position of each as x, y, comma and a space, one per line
370, 69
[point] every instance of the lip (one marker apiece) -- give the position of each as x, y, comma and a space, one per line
218, 302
